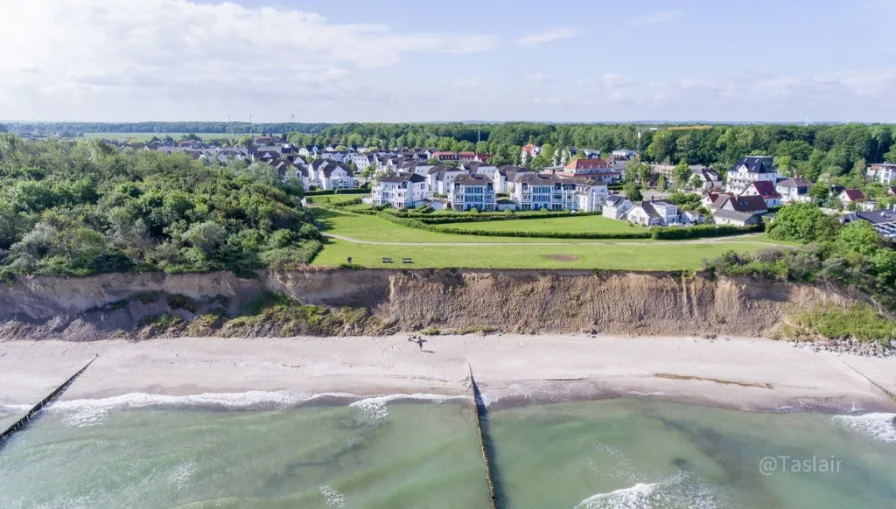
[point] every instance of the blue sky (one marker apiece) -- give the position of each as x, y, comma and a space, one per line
334, 61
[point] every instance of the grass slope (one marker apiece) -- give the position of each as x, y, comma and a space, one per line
571, 224
616, 255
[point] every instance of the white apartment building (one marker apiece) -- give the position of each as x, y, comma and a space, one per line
472, 191
749, 170
404, 190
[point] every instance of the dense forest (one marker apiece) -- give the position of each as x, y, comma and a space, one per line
810, 151
78, 208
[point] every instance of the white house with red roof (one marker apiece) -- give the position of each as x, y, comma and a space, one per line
848, 196
765, 189
596, 169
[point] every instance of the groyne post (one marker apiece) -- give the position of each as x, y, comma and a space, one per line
23, 422
479, 407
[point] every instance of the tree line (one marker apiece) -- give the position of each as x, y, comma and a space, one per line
79, 208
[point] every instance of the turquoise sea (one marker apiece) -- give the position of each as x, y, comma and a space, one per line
287, 450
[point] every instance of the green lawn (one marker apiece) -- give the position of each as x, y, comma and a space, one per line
510, 252
571, 224
643, 256
337, 198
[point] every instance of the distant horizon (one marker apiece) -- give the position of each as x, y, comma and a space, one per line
467, 122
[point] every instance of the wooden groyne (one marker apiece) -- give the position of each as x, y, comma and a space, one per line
479, 407
23, 422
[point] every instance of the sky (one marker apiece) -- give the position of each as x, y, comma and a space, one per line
410, 61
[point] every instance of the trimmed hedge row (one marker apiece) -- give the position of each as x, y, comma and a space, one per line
359, 190
668, 233
420, 225
704, 230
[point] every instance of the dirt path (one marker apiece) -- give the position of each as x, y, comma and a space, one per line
713, 240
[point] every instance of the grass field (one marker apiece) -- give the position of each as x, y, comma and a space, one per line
571, 224
148, 136
337, 198
445, 251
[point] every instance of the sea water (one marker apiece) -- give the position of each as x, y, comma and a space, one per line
287, 450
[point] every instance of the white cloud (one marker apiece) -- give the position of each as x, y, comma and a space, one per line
538, 77
655, 18
546, 36
113, 50
473, 82
613, 80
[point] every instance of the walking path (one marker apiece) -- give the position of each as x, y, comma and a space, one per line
713, 240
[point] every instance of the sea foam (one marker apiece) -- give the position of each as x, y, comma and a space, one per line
879, 426
376, 408
676, 491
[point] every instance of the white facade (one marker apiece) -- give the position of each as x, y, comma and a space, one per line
657, 213
616, 207
334, 177
400, 191
468, 192
749, 170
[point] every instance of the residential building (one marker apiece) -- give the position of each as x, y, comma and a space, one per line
884, 221
529, 152
766, 190
596, 169
309, 150
654, 213
735, 218
616, 206
445, 156
848, 196
403, 190
441, 177
536, 191
505, 178
332, 175
793, 190
749, 170
751, 204
621, 152
339, 157
361, 161
884, 173
710, 179
591, 195
472, 191
435, 203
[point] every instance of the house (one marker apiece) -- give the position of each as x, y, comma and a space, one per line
654, 213
749, 170
339, 157
309, 150
596, 169
483, 169
361, 161
404, 190
884, 221
472, 191
505, 204
466, 156
536, 191
444, 156
332, 175
766, 190
622, 152
591, 195
848, 196
435, 203
709, 178
529, 152
616, 206
884, 173
441, 177
735, 218
793, 190
751, 204
505, 176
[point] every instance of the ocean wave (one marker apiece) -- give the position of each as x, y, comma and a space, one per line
880, 426
376, 408
332, 496
676, 491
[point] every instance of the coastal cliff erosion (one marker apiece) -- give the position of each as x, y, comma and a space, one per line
343, 302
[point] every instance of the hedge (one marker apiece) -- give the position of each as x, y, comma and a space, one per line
705, 230
357, 190
420, 225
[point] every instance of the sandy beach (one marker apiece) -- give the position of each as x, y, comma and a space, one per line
743, 373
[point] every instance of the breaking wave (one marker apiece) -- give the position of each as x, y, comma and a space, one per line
879, 426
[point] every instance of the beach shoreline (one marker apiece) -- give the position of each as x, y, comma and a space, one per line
749, 374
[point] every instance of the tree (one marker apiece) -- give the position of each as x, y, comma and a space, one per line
632, 192
785, 165
859, 237
661, 183
797, 221
696, 182
207, 237
819, 193
681, 173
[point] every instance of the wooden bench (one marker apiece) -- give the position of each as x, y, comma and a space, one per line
407, 260
387, 260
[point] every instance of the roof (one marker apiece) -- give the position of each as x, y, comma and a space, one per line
588, 164
403, 177
505, 201
649, 210
472, 180
765, 189
733, 215
757, 164
741, 203
891, 190
878, 216
795, 182
711, 175
615, 199
854, 194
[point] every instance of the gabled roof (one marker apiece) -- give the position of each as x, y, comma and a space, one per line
734, 215
854, 194
615, 199
741, 203
413, 178
756, 164
765, 189
795, 182
649, 210
878, 216
472, 180
588, 164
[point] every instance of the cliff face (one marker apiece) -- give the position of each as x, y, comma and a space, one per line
128, 305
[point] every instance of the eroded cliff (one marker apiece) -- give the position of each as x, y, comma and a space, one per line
332, 302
